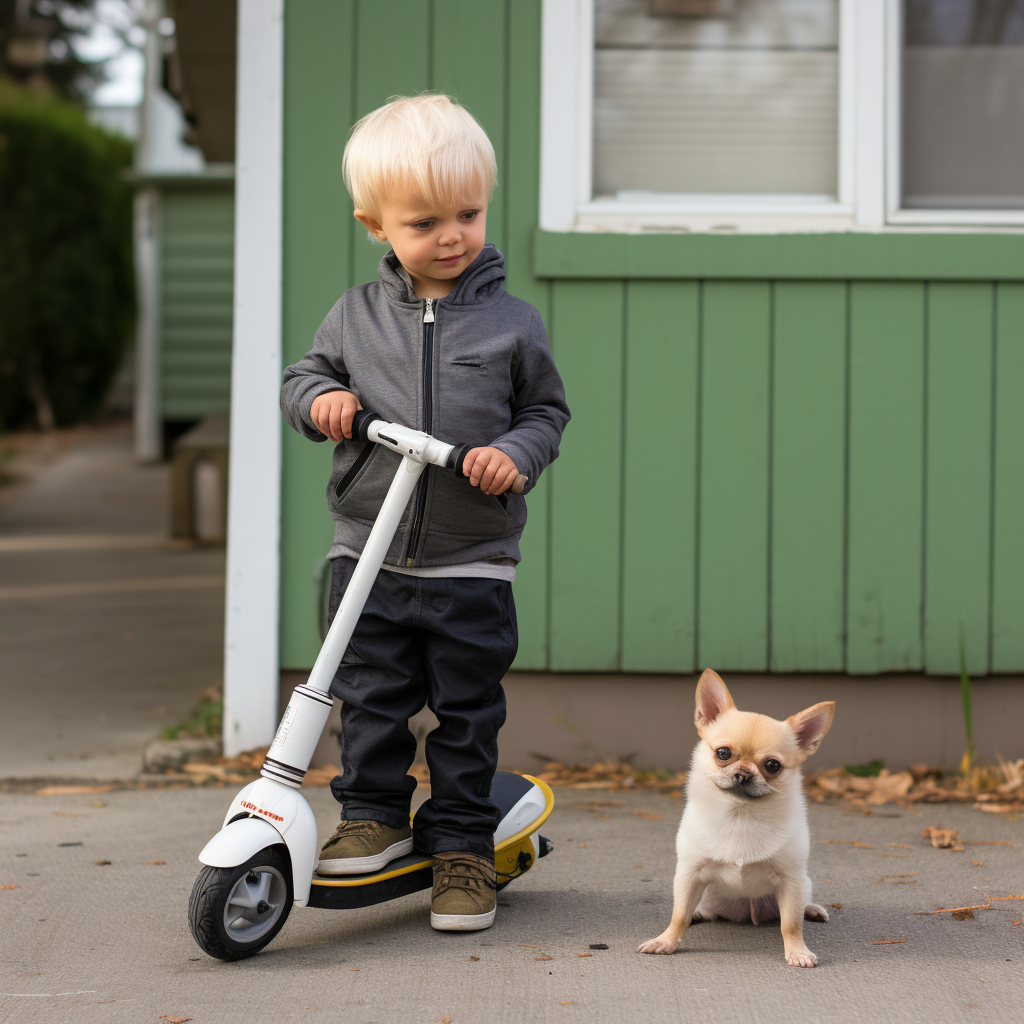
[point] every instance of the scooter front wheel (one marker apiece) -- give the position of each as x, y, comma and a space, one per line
235, 912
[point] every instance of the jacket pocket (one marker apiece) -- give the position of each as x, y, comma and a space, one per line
360, 490
460, 510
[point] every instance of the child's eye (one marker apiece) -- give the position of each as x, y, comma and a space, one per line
470, 214
424, 224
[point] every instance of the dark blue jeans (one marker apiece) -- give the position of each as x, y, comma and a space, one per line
446, 643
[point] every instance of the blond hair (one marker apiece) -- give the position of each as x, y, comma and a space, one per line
429, 141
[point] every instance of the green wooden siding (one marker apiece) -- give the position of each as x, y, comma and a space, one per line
791, 453
196, 298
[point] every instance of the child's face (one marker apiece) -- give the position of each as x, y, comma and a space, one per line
434, 243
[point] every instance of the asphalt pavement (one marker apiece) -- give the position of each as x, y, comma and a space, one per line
108, 631
87, 941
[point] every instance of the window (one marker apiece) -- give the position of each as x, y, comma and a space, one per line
962, 106
746, 103
770, 115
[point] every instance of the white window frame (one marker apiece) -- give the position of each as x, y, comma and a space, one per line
868, 193
894, 184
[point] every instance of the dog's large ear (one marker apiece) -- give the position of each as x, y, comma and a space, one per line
712, 699
810, 726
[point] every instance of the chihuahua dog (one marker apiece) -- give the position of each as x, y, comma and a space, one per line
743, 842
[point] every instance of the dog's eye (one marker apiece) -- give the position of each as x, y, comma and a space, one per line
772, 767
723, 753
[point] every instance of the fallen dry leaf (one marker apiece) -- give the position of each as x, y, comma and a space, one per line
474, 958
523, 945
609, 775
71, 790
963, 915
999, 808
978, 863
912, 881
986, 842
1015, 922
997, 899
888, 942
8, 887
649, 814
152, 862
584, 954
943, 838
913, 874
174, 1020
836, 906
957, 910
103, 1002
543, 958
599, 945
902, 846
101, 863
565, 1002
353, 968
846, 842
446, 1019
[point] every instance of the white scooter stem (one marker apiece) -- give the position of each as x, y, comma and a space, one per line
310, 704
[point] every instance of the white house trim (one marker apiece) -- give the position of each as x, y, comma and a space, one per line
254, 497
868, 180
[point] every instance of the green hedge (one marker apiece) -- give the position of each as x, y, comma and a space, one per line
67, 293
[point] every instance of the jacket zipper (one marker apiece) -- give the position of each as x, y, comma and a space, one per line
428, 416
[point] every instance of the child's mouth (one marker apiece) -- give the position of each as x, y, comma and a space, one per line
449, 260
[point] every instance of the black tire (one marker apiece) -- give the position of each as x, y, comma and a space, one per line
213, 924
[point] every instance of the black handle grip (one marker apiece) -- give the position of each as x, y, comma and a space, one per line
361, 423
457, 460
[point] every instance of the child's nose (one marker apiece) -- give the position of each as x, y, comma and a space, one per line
450, 235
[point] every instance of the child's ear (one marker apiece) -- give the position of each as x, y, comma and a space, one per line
810, 726
713, 698
373, 226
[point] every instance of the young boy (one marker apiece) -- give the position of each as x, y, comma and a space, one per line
439, 345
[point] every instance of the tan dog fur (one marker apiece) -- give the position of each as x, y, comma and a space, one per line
743, 843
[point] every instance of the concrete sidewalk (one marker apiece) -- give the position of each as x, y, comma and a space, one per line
89, 942
107, 632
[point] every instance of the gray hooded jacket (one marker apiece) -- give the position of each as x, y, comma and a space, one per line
481, 373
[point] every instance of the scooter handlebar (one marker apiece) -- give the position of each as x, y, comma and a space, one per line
361, 425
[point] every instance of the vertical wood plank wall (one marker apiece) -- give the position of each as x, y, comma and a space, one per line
819, 475
196, 295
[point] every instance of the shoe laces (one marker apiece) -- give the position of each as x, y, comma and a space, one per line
462, 873
358, 828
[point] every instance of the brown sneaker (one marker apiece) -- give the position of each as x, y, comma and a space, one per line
464, 894
360, 846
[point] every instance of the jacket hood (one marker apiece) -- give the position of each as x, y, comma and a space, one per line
476, 284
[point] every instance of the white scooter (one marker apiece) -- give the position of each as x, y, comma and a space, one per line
261, 863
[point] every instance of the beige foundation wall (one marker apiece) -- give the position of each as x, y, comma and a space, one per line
900, 719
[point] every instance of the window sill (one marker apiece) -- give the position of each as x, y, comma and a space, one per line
850, 255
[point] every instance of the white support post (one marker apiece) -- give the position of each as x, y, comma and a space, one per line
148, 440
254, 500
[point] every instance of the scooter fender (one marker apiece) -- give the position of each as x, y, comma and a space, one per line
234, 844
267, 804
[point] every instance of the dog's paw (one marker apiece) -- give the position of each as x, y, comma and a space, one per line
701, 915
814, 912
662, 944
801, 958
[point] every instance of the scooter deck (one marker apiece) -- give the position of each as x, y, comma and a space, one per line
402, 876
413, 872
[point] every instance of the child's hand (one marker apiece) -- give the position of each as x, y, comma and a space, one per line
332, 413
490, 469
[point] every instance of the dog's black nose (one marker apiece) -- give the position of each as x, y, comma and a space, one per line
741, 777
